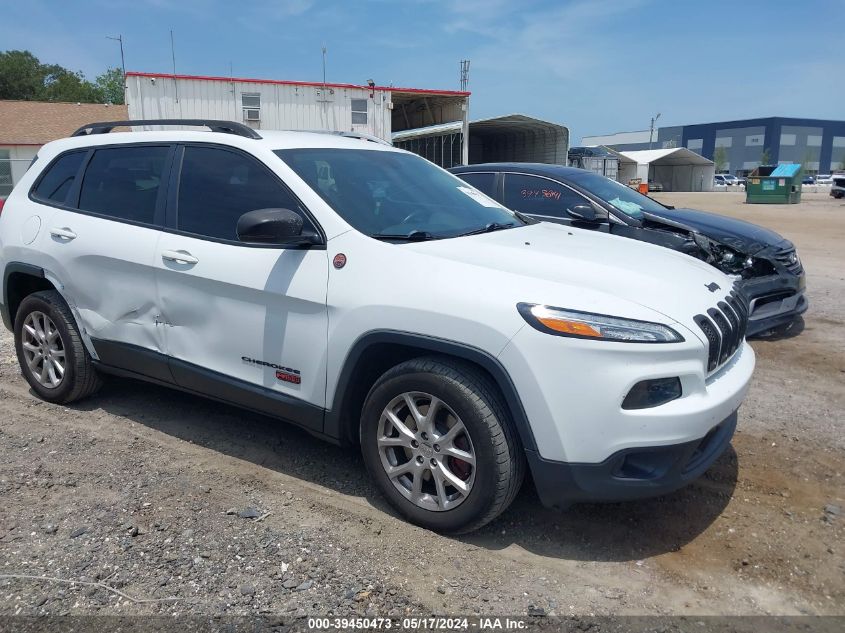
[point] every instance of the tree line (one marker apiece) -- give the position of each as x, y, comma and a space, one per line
24, 77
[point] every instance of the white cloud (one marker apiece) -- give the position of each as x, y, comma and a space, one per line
564, 40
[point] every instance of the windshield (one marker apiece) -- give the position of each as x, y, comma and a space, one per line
628, 201
396, 194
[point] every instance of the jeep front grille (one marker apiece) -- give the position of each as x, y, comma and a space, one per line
724, 327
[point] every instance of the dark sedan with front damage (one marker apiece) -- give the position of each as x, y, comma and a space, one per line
767, 265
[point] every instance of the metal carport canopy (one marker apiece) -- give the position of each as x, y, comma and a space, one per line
519, 138
512, 137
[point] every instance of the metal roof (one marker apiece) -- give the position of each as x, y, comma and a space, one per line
521, 122
786, 170
316, 84
429, 130
493, 125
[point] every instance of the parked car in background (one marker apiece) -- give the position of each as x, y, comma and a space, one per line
837, 189
766, 264
367, 295
808, 180
655, 186
727, 179
824, 179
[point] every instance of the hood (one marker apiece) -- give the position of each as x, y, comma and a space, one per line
584, 270
741, 236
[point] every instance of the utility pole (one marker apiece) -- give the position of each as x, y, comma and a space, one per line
175, 82
119, 38
464, 82
651, 129
324, 68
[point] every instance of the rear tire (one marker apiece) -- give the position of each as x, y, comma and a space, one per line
458, 467
50, 351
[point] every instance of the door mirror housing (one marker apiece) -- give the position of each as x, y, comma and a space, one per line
274, 226
584, 213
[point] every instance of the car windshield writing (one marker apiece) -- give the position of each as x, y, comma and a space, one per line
623, 198
385, 193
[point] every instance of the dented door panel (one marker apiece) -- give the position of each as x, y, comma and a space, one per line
106, 272
253, 314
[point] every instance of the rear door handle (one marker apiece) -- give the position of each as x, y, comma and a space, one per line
63, 234
179, 257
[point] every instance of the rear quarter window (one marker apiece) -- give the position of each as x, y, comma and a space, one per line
58, 178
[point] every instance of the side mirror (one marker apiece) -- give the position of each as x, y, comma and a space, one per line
274, 226
584, 213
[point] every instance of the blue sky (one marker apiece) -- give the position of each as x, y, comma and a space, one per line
596, 66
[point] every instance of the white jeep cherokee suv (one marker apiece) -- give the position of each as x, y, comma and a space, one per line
372, 298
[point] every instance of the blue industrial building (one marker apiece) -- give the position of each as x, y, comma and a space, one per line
817, 144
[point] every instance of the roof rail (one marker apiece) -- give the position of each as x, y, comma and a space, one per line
226, 127
359, 135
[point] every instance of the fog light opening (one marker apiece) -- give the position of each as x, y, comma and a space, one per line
652, 393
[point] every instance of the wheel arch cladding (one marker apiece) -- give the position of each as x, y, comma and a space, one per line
19, 281
377, 351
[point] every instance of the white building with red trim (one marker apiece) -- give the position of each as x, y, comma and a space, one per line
301, 105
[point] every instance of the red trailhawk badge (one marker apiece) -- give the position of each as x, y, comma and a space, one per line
339, 260
289, 377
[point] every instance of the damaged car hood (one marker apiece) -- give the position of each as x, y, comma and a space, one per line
744, 237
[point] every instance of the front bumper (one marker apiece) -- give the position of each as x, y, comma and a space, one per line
572, 392
632, 473
774, 300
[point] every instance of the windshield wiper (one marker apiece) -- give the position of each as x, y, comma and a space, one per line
413, 236
493, 226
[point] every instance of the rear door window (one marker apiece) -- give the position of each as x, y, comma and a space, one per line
483, 181
123, 182
539, 196
58, 178
217, 186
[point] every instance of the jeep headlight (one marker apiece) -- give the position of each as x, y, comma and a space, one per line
577, 324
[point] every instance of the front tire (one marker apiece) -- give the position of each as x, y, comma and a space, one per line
50, 351
440, 445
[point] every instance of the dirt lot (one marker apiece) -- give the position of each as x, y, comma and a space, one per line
140, 487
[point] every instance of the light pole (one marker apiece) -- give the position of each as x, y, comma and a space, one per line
651, 129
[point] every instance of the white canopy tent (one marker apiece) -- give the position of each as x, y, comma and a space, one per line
677, 168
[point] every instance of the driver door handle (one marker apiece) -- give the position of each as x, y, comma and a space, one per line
179, 257
63, 234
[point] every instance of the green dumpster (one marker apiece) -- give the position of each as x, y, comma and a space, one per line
774, 184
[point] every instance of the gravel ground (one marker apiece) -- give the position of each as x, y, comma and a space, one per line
155, 502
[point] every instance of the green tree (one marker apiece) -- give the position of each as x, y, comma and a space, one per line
61, 84
720, 159
111, 86
765, 157
21, 75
